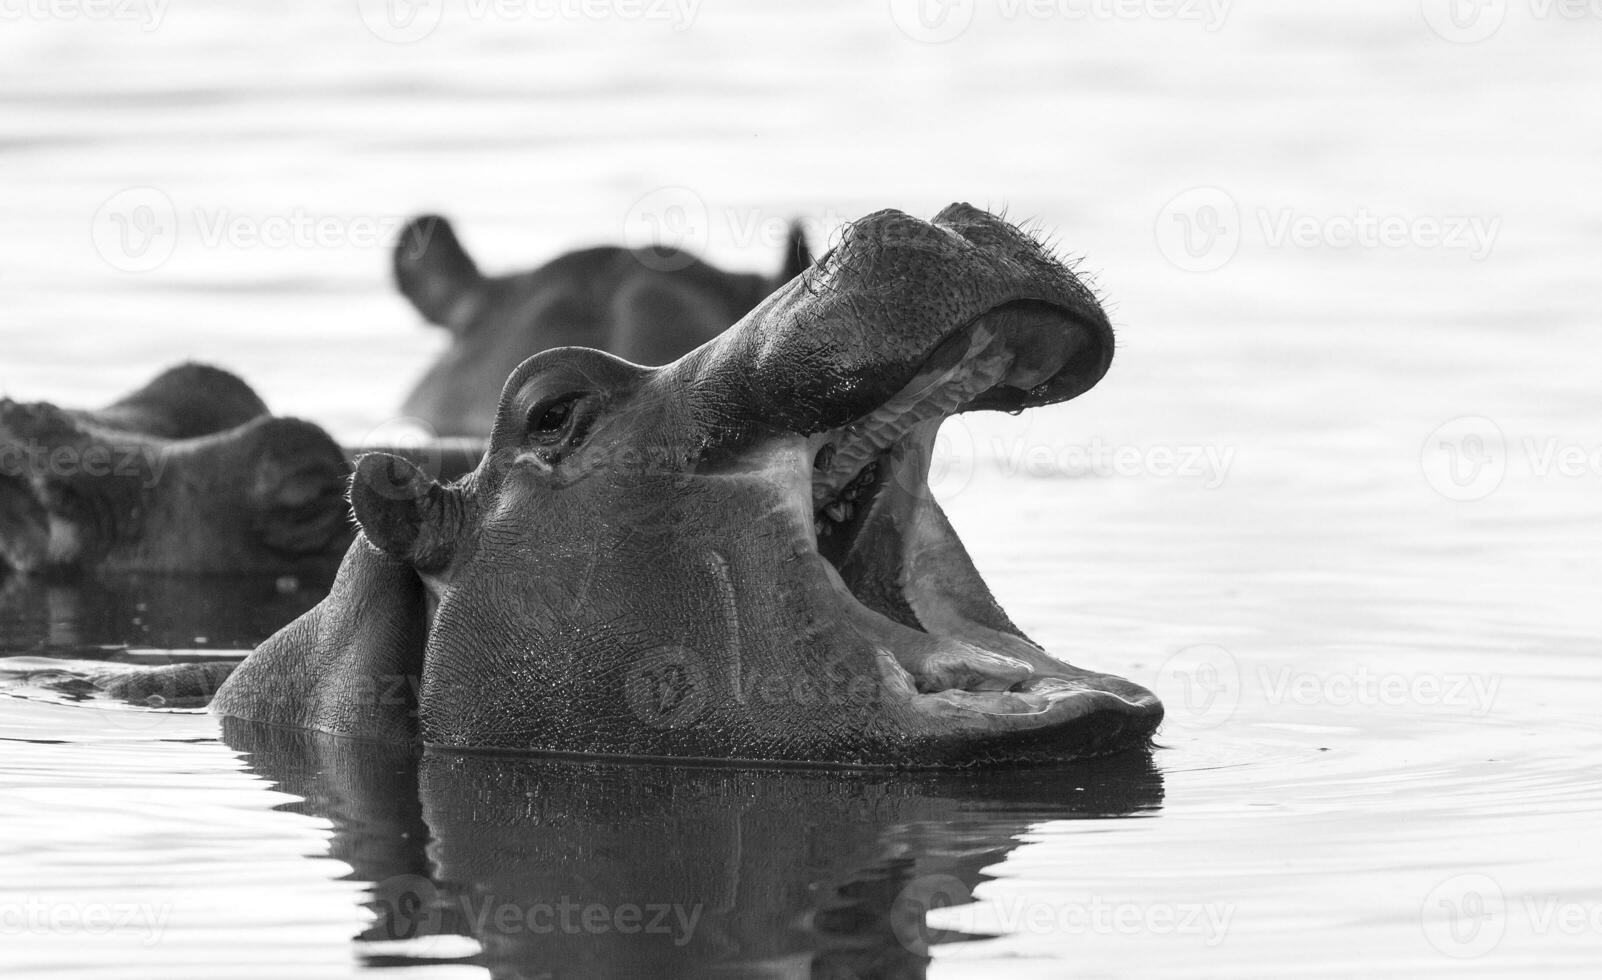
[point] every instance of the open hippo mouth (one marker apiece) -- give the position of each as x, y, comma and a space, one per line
893, 555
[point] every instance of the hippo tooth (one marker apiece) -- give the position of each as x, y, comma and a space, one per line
839, 511
945, 664
995, 703
927, 398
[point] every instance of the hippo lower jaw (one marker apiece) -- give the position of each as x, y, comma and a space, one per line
902, 576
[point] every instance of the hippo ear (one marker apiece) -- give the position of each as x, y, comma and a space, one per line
797, 254
299, 480
406, 513
435, 272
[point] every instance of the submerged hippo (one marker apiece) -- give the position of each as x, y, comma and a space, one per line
190, 473
735, 556
645, 305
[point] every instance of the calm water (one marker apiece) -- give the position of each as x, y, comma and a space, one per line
1338, 500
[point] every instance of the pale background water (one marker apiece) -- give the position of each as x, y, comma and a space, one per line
1372, 607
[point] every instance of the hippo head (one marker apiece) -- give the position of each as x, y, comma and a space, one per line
187, 474
737, 555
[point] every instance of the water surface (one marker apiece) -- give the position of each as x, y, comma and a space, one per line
1320, 504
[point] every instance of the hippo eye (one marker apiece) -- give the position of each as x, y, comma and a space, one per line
551, 417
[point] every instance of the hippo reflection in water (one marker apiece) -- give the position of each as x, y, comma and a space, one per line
734, 556
647, 305
581, 868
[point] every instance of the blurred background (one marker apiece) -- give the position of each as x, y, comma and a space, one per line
225, 181
1352, 253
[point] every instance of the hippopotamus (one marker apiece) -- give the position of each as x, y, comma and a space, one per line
646, 305
733, 556
190, 473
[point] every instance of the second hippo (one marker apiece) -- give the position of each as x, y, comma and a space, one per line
647, 305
